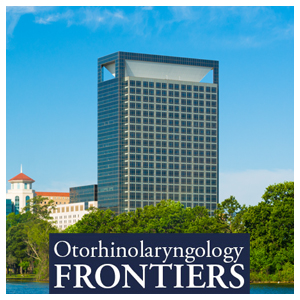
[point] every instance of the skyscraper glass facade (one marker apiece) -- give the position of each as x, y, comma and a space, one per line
84, 194
157, 136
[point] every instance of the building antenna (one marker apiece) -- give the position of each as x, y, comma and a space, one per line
21, 168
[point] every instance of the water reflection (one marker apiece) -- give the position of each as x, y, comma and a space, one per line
28, 287
271, 288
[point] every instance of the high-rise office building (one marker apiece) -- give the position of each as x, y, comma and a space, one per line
157, 131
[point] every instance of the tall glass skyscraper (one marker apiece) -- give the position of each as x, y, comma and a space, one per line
157, 131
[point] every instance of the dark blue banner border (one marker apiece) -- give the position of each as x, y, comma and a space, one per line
149, 264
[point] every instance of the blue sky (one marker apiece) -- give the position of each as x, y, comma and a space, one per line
51, 82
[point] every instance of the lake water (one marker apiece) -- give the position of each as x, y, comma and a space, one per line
271, 288
28, 287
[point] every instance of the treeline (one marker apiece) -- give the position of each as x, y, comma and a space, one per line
270, 224
27, 239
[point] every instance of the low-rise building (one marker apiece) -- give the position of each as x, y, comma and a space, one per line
68, 214
57, 197
65, 213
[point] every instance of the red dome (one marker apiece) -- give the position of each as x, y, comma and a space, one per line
20, 177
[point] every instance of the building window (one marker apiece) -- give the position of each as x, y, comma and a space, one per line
27, 201
17, 204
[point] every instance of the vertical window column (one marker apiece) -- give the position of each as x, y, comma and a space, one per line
17, 204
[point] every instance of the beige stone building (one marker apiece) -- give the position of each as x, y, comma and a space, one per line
58, 198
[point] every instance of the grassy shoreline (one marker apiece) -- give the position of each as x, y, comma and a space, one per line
26, 279
29, 277
20, 276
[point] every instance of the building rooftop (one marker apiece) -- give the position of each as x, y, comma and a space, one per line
53, 194
128, 64
21, 177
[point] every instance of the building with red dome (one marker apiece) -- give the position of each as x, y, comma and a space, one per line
65, 213
21, 191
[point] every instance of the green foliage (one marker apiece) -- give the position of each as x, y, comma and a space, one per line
24, 265
281, 192
270, 224
166, 217
271, 228
13, 220
230, 214
16, 247
27, 236
11, 262
287, 273
96, 221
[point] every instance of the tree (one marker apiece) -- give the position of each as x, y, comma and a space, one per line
38, 210
166, 217
27, 236
229, 212
24, 265
11, 262
95, 221
39, 225
15, 238
280, 192
271, 228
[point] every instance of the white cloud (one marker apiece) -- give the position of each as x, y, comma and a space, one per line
90, 17
86, 16
96, 16
21, 10
248, 186
14, 13
256, 26
55, 17
118, 15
